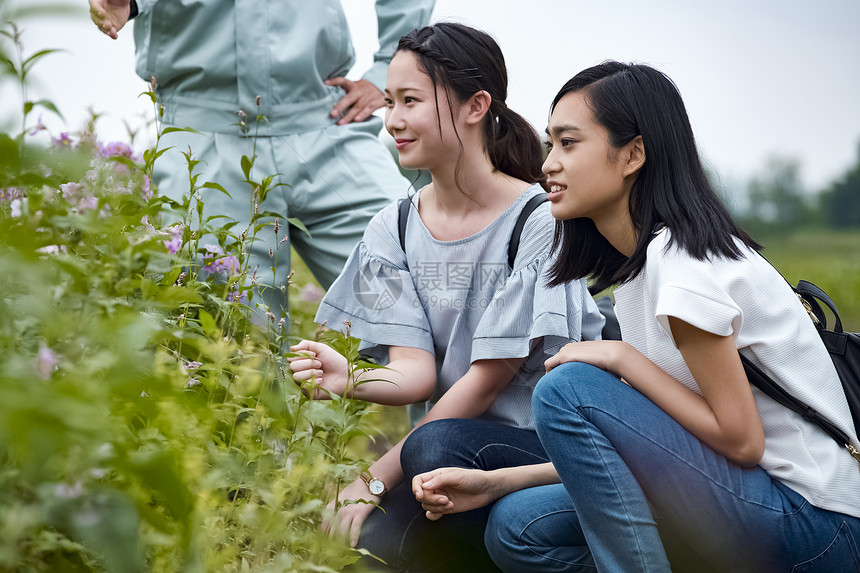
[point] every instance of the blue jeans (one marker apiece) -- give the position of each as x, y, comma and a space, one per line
620, 457
403, 537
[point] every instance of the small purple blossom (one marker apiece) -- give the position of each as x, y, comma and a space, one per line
63, 141
114, 149
192, 383
311, 293
237, 296
219, 264
193, 365
145, 189
10, 193
46, 361
88, 203
38, 127
70, 190
174, 242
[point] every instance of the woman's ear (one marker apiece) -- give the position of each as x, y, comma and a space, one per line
634, 156
478, 107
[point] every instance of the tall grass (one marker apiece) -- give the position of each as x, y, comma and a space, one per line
829, 259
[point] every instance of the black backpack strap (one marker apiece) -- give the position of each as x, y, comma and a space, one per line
766, 384
527, 210
812, 295
402, 219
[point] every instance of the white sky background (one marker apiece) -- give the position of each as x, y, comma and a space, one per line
759, 77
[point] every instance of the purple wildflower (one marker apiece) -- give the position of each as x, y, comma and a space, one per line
70, 190
237, 296
145, 189
46, 361
38, 127
193, 365
311, 293
10, 193
88, 203
114, 149
216, 264
63, 141
174, 242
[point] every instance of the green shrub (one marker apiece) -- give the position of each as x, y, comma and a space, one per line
146, 422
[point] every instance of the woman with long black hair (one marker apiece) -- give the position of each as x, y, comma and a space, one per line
665, 424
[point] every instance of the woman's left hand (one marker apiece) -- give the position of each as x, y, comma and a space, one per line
603, 354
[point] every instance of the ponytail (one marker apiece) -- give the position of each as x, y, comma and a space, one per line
515, 147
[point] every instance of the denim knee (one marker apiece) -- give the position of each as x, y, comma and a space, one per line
566, 381
429, 447
502, 536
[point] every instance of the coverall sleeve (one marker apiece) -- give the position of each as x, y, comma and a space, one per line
144, 6
395, 18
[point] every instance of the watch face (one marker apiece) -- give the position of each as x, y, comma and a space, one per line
376, 487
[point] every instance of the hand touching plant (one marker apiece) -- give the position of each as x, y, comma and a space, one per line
324, 366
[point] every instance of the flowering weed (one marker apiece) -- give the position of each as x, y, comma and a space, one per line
146, 422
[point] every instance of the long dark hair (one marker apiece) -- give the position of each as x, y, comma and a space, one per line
464, 61
670, 190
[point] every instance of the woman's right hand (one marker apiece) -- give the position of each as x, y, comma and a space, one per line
318, 362
454, 490
347, 521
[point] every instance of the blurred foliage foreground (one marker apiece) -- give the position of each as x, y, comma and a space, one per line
146, 423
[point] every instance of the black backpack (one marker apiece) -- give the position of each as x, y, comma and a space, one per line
844, 349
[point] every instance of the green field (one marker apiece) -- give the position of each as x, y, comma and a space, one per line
828, 259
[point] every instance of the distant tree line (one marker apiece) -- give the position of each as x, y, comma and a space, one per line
778, 202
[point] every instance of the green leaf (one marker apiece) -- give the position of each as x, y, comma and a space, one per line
9, 64
213, 185
167, 130
150, 155
208, 324
29, 62
247, 164
297, 223
49, 105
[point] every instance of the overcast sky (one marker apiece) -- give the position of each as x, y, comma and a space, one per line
760, 77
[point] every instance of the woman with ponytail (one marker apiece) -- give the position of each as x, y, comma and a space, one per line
464, 319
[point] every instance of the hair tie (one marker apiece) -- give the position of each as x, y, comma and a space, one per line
502, 108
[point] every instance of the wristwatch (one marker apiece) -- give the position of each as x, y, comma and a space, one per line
375, 485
